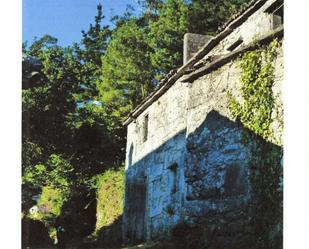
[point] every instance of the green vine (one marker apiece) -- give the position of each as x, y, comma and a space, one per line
266, 181
257, 78
255, 113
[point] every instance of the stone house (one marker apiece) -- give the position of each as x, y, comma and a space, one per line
185, 155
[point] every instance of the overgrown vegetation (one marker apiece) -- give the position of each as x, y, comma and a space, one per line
72, 111
110, 196
256, 82
49, 208
255, 113
267, 208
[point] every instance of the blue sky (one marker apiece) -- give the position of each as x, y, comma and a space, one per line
64, 19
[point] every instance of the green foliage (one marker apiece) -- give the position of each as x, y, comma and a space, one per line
95, 41
93, 45
267, 210
98, 141
72, 119
166, 36
256, 81
55, 172
150, 9
126, 70
207, 15
52, 120
49, 207
46, 41
52, 199
110, 196
255, 113
47, 107
31, 154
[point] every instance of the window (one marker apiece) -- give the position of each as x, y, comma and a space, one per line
173, 169
235, 44
130, 159
145, 128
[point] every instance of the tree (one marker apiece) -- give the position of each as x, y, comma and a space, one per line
46, 108
166, 36
150, 9
61, 112
55, 172
45, 111
98, 141
72, 117
92, 46
95, 40
126, 69
207, 15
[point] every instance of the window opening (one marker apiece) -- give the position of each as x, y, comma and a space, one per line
145, 128
235, 45
130, 155
173, 169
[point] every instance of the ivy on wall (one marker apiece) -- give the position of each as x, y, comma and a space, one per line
256, 81
255, 113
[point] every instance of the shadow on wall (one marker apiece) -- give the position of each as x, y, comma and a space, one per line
217, 161
233, 182
155, 176
232, 189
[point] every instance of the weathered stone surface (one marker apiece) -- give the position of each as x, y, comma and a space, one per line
162, 171
216, 160
194, 166
256, 25
192, 43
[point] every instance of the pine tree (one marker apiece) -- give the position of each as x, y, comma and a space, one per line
126, 69
166, 36
207, 15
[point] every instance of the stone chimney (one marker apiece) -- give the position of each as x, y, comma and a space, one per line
193, 43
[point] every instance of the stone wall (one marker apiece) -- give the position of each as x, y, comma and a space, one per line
258, 24
218, 158
194, 166
158, 165
166, 117
154, 191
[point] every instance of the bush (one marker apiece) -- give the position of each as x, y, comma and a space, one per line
49, 208
110, 196
52, 200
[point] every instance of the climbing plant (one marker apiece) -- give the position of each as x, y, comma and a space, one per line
266, 181
255, 113
256, 81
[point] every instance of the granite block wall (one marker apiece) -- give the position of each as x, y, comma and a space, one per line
193, 165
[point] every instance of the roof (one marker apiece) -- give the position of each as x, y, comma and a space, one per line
188, 67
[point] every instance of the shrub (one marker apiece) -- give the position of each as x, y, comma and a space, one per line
110, 196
